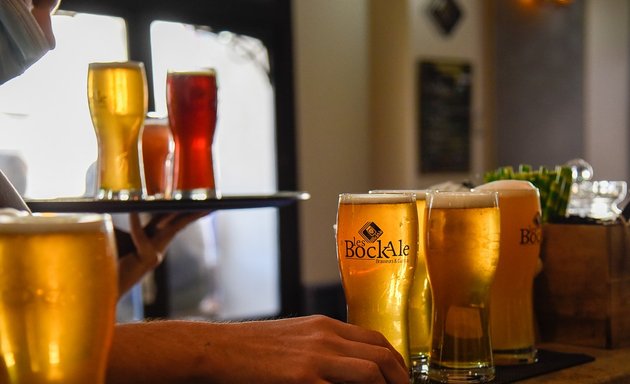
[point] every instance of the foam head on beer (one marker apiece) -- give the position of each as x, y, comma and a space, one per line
7, 214
506, 186
16, 221
463, 200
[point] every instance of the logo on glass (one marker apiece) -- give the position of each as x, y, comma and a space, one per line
532, 234
370, 232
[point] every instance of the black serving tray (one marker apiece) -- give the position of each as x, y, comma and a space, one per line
81, 204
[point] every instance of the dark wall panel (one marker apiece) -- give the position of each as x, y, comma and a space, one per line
539, 82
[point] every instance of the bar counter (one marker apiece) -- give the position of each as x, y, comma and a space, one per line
611, 366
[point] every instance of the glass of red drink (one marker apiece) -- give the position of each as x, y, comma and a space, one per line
157, 157
191, 98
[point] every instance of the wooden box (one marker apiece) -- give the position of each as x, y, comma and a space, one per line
582, 295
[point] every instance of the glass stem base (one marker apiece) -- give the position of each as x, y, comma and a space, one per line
196, 194
441, 374
519, 356
123, 194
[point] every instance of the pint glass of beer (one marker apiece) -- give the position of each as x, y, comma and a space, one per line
511, 303
117, 96
420, 306
157, 157
377, 245
191, 98
462, 245
58, 278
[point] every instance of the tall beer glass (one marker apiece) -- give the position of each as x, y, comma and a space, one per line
117, 96
59, 290
463, 231
157, 157
420, 306
191, 98
511, 303
377, 242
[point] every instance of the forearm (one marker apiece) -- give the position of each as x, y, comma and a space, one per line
169, 352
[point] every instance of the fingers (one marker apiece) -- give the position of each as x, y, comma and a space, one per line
162, 228
352, 370
374, 363
366, 336
133, 265
373, 358
145, 250
374, 355
172, 221
150, 244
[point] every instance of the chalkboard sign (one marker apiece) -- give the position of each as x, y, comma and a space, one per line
444, 116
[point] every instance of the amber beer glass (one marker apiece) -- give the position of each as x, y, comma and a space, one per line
117, 96
157, 157
191, 98
377, 240
462, 245
58, 278
511, 302
420, 306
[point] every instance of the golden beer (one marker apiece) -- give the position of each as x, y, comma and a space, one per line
58, 293
117, 95
511, 303
462, 245
420, 307
377, 240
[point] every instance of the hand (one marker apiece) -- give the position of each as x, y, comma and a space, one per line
313, 349
150, 244
302, 350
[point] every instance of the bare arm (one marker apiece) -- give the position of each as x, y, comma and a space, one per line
314, 349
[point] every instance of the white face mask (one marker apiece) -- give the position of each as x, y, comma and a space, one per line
22, 41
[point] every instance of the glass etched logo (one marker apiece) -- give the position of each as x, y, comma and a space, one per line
370, 246
370, 232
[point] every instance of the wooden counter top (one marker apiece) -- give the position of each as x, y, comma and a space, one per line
611, 366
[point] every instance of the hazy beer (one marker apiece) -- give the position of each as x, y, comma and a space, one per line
59, 290
157, 157
419, 294
462, 244
117, 96
511, 303
377, 240
192, 109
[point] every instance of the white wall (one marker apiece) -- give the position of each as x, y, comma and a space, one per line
391, 95
331, 103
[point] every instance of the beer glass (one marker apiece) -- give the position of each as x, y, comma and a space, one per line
117, 96
462, 249
420, 306
377, 242
511, 303
59, 287
191, 98
157, 157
